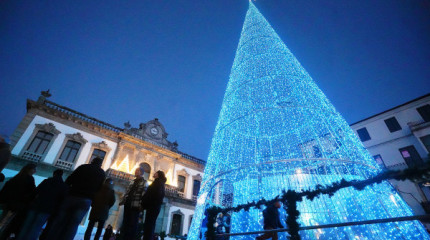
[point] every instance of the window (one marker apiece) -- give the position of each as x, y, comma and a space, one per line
146, 170
426, 141
97, 153
181, 183
317, 152
379, 160
363, 134
411, 156
424, 111
70, 151
392, 124
40, 143
176, 226
196, 187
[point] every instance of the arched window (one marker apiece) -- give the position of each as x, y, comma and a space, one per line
146, 170
39, 143
71, 149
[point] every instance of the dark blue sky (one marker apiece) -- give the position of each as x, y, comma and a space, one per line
137, 60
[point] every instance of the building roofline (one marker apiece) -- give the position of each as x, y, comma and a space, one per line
401, 105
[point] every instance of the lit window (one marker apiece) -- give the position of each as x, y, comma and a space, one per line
379, 161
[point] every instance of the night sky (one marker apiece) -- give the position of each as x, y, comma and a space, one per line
134, 61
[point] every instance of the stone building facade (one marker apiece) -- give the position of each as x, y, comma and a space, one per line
54, 136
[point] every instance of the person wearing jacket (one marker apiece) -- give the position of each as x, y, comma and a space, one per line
271, 221
84, 182
48, 194
151, 202
15, 196
132, 208
103, 201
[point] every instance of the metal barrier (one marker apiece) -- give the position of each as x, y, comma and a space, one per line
385, 220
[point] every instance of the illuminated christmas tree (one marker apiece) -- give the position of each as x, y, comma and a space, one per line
278, 131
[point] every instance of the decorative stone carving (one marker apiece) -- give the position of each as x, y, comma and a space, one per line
48, 127
102, 145
183, 172
153, 132
77, 137
197, 177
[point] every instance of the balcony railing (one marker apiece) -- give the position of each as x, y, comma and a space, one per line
32, 157
64, 165
112, 173
82, 116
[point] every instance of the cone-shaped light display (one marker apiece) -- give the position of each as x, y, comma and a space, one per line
278, 131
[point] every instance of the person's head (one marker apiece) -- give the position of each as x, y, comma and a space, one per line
28, 169
160, 175
97, 161
277, 204
109, 182
58, 173
139, 172
109, 226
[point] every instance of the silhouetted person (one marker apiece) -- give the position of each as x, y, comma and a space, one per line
108, 232
16, 196
103, 201
4, 156
49, 194
151, 202
132, 207
84, 182
271, 221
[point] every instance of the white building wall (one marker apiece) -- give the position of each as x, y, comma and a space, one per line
387, 144
189, 179
185, 221
58, 142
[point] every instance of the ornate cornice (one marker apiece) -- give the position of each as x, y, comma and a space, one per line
102, 145
77, 137
48, 127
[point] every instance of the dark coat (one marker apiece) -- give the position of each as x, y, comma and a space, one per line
102, 202
4, 155
271, 218
49, 194
18, 192
153, 197
86, 180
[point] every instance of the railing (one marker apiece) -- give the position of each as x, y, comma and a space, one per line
82, 116
32, 157
173, 191
112, 173
192, 158
64, 165
336, 225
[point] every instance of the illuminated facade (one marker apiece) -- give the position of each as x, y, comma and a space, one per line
54, 136
277, 130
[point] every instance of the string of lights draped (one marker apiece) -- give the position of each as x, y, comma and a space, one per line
278, 131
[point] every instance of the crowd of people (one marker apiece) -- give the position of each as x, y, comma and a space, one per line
54, 209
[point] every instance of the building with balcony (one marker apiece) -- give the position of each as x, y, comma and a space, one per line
54, 136
399, 138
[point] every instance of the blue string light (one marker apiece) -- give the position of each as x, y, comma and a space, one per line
278, 131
